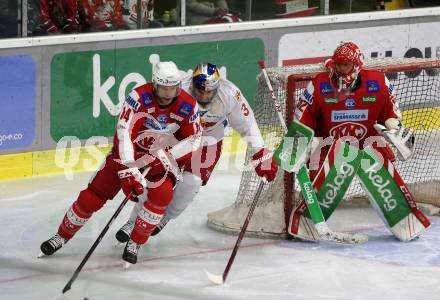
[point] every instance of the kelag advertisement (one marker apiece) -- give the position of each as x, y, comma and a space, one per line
88, 87
17, 94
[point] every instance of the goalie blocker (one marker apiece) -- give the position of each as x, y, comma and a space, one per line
386, 191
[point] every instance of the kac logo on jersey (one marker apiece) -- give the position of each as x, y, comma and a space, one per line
185, 109
350, 103
147, 98
325, 88
372, 86
349, 129
132, 103
352, 115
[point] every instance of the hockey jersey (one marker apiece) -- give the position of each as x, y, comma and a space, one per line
331, 114
144, 126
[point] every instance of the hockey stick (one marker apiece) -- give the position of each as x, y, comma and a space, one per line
220, 279
324, 232
98, 240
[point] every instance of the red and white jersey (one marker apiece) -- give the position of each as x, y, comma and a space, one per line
336, 115
144, 124
228, 107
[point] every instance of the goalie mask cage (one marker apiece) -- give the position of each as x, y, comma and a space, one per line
417, 85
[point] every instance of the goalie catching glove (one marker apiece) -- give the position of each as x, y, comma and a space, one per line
264, 164
397, 135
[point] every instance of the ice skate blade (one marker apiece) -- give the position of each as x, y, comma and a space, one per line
216, 279
41, 255
127, 265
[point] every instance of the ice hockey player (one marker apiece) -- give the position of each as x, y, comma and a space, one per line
158, 129
221, 104
348, 101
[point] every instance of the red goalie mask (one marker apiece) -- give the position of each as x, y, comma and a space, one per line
344, 66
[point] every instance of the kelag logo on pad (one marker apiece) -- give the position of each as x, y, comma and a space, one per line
353, 115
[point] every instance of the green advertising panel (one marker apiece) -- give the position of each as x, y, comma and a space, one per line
87, 86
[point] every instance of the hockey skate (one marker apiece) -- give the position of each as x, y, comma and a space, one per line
123, 234
130, 253
164, 221
52, 245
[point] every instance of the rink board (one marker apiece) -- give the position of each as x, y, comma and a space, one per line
41, 163
82, 159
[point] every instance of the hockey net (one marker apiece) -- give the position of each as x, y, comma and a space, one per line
417, 85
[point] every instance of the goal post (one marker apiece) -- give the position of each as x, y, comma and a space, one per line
417, 85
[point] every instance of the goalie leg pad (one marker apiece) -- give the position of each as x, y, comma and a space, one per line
384, 188
302, 227
331, 181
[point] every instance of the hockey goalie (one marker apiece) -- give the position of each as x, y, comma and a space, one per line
356, 118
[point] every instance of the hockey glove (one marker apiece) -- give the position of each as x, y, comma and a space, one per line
264, 164
400, 137
132, 182
164, 163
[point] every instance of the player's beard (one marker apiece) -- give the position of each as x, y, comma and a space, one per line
206, 102
166, 100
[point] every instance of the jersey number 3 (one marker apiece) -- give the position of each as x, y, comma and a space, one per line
245, 110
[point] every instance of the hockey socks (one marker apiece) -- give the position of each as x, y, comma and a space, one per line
79, 213
147, 219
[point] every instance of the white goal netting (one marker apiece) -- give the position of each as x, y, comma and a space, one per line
417, 84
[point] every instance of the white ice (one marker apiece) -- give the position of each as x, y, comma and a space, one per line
172, 264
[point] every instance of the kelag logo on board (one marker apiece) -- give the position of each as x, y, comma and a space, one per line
97, 82
17, 110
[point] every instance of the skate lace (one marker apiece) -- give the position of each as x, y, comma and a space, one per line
56, 241
164, 221
132, 247
128, 227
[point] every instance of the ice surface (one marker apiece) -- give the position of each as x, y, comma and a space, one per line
172, 264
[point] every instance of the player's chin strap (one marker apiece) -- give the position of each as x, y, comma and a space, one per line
400, 137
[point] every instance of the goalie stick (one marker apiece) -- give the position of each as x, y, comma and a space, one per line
324, 232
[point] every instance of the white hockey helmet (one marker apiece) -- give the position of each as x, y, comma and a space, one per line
166, 74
